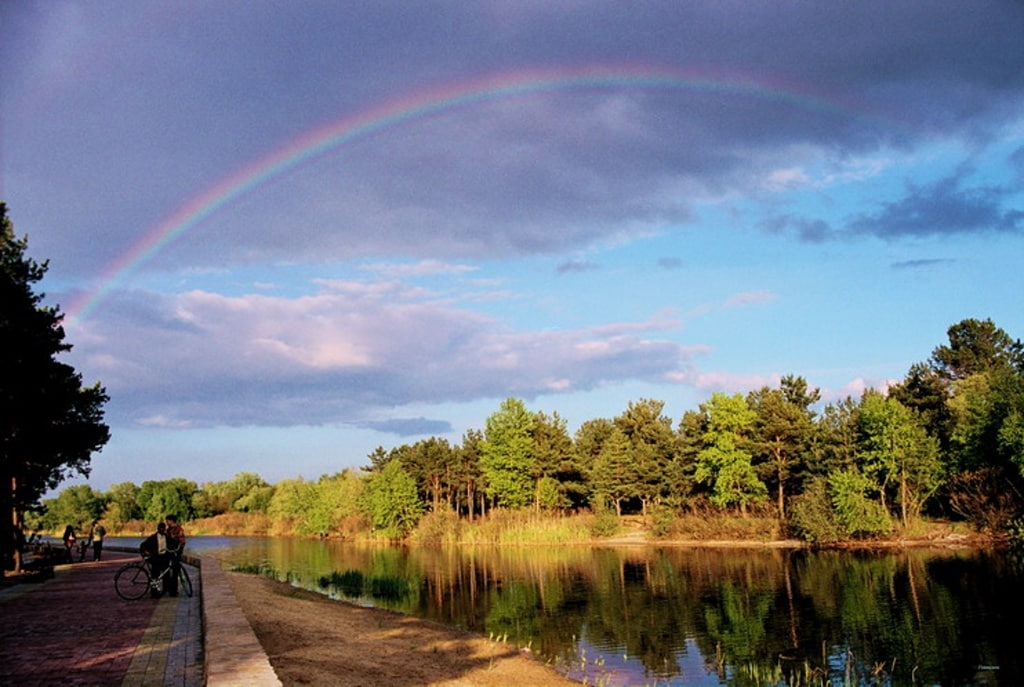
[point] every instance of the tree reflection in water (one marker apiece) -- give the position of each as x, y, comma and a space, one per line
696, 616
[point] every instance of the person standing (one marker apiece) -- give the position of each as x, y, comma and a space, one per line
176, 546
96, 533
84, 543
69, 542
154, 548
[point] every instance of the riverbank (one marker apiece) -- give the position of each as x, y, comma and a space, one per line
311, 639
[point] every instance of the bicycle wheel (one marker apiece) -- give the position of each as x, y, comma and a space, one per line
184, 581
132, 581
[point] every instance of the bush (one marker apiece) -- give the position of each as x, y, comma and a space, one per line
857, 514
606, 522
811, 515
438, 528
983, 499
662, 521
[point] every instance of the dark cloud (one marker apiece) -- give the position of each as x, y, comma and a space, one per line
921, 263
944, 207
176, 102
576, 266
412, 426
1017, 162
807, 229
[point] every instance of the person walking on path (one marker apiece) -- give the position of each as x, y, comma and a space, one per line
96, 533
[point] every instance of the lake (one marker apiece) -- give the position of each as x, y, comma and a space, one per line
691, 616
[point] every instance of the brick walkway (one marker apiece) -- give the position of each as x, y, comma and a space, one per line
74, 630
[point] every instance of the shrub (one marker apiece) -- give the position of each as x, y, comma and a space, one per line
438, 528
606, 522
982, 498
662, 521
857, 514
811, 515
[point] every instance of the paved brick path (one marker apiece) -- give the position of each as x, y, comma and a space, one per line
74, 630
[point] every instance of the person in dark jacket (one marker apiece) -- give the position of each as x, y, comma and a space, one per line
69, 542
155, 549
176, 544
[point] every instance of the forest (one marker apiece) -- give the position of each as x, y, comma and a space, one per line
946, 443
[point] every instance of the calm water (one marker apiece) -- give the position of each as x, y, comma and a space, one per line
681, 616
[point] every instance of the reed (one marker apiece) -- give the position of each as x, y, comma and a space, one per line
350, 583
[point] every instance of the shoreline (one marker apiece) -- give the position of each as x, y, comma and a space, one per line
312, 639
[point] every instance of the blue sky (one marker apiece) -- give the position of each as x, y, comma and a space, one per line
287, 233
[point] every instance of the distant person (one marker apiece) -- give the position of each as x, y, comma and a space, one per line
69, 542
83, 544
176, 542
155, 549
97, 533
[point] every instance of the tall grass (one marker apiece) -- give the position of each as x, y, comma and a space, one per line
527, 527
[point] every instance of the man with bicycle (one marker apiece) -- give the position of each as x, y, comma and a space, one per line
157, 550
176, 546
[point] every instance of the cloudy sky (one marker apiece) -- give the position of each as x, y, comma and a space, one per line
284, 233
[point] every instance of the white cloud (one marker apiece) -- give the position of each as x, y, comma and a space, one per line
417, 269
348, 351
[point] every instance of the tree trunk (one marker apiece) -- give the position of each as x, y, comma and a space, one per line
10, 549
780, 471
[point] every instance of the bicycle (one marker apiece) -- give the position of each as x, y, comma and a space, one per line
135, 579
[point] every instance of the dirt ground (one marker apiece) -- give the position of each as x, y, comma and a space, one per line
314, 640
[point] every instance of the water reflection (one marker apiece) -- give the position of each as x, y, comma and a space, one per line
682, 616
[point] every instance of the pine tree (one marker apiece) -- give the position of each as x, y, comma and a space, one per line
51, 424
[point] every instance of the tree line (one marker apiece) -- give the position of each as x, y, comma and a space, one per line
947, 441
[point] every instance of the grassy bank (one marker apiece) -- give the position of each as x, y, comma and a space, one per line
528, 527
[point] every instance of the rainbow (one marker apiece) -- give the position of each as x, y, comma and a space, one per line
316, 142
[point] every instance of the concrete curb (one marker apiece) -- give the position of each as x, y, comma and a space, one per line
233, 654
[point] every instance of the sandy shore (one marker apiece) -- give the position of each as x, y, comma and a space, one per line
314, 640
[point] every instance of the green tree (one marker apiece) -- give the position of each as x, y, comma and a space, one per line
681, 476
159, 498
612, 474
835, 444
856, 512
468, 473
724, 462
50, 424
507, 460
431, 463
335, 500
925, 391
587, 445
245, 492
78, 506
557, 478
976, 346
898, 454
652, 445
391, 502
122, 505
291, 504
784, 430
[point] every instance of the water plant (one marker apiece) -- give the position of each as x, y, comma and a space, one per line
351, 583
261, 569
